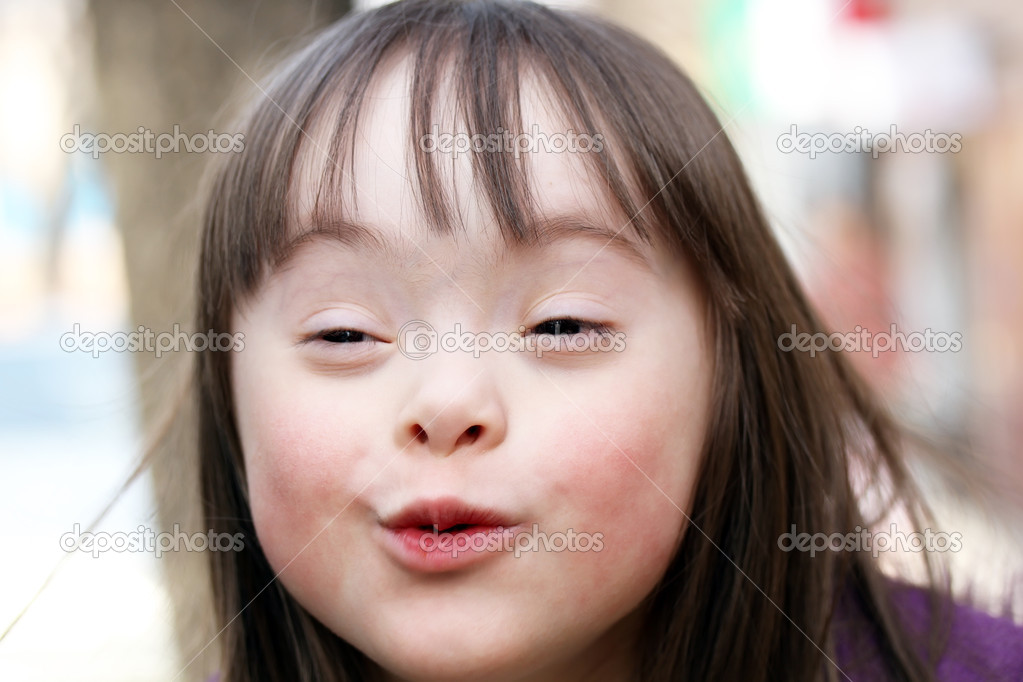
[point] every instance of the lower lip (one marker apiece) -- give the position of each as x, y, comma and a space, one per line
423, 551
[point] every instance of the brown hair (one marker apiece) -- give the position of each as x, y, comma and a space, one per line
785, 427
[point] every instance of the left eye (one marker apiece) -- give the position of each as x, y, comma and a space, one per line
567, 326
344, 336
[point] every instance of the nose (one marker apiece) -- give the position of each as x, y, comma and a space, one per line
455, 407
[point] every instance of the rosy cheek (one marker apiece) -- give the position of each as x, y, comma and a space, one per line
297, 473
630, 483
639, 452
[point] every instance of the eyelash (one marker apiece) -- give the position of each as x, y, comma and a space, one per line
584, 325
336, 332
557, 322
327, 333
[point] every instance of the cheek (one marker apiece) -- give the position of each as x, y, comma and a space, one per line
629, 475
637, 454
290, 477
302, 469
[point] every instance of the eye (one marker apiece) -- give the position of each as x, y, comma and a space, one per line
344, 336
568, 326
342, 344
340, 336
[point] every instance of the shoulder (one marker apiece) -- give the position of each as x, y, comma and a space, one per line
979, 646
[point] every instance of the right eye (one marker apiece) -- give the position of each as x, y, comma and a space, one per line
340, 345
340, 336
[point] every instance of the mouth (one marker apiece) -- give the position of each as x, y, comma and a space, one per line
445, 534
446, 515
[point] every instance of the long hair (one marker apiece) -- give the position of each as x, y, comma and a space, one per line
786, 429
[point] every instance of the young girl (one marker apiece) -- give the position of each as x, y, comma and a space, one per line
512, 404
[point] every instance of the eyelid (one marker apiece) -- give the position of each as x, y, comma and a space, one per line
572, 304
339, 317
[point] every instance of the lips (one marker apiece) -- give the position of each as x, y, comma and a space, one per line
421, 535
446, 515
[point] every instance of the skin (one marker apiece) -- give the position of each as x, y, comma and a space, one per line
598, 442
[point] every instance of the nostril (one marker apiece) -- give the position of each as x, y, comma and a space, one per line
419, 434
470, 435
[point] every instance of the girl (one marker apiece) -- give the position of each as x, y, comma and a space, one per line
512, 404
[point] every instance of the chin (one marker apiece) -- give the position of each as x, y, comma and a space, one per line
455, 663
426, 649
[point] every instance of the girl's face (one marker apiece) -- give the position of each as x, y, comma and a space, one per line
354, 450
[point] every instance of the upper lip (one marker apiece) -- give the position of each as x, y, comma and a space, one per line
445, 513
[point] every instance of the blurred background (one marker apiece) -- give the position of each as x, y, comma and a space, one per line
927, 240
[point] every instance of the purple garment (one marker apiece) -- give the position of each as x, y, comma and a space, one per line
980, 647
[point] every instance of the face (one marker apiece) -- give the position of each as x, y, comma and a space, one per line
359, 458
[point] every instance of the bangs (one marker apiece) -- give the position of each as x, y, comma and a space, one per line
464, 81
468, 64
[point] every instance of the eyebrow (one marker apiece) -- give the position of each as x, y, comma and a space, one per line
354, 235
363, 238
560, 228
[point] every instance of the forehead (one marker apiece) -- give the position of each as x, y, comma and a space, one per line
376, 199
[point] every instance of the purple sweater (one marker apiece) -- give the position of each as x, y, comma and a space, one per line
980, 647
